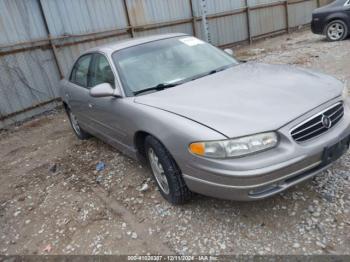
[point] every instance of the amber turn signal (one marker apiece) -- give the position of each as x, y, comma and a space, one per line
197, 148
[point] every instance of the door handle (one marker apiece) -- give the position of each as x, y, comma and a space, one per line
91, 105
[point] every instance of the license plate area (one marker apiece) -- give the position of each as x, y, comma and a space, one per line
334, 152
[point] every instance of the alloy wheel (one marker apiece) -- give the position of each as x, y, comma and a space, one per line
336, 31
158, 171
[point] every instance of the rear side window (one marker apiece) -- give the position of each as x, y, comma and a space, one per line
80, 71
101, 71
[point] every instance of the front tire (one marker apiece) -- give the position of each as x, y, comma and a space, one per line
78, 131
337, 30
166, 173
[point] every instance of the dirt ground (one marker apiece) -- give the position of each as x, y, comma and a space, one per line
53, 201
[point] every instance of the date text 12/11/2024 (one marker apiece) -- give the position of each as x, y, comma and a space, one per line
172, 258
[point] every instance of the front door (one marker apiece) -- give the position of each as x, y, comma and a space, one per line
106, 111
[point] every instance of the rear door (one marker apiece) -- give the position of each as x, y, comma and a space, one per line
78, 92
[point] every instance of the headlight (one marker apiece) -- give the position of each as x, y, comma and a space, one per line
235, 147
345, 94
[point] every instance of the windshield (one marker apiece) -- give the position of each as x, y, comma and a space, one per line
339, 2
168, 61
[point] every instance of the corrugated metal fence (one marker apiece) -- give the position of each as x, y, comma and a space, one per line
39, 39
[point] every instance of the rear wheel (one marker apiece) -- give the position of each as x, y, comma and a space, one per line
337, 30
166, 173
80, 133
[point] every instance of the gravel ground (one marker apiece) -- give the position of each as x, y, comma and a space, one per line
53, 201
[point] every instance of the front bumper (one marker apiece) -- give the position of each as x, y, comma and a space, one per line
317, 26
267, 173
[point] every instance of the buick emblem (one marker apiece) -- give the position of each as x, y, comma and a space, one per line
326, 122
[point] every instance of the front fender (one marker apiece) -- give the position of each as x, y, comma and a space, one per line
336, 16
173, 131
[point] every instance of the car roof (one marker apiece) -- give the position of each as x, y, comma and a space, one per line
114, 46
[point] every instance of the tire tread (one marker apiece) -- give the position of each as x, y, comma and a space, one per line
179, 192
346, 34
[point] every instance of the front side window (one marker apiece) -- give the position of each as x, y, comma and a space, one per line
101, 71
80, 71
168, 61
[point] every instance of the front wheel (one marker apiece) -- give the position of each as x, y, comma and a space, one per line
166, 173
337, 30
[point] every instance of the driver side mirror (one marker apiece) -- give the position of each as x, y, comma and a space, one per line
229, 51
104, 90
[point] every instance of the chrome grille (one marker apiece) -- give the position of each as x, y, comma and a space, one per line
318, 124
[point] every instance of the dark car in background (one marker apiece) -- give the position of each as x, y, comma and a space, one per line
332, 20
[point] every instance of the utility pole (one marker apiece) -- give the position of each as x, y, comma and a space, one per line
205, 23
53, 46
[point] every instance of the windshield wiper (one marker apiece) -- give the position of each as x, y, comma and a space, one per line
156, 88
211, 72
219, 69
163, 86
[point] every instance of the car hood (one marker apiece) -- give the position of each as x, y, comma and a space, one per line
247, 98
334, 6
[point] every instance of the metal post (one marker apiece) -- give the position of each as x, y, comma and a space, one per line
54, 49
127, 14
248, 22
287, 16
205, 21
194, 31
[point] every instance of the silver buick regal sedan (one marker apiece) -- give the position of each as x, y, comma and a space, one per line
204, 122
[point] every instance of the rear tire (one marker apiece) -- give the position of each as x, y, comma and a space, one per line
337, 30
78, 131
166, 173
